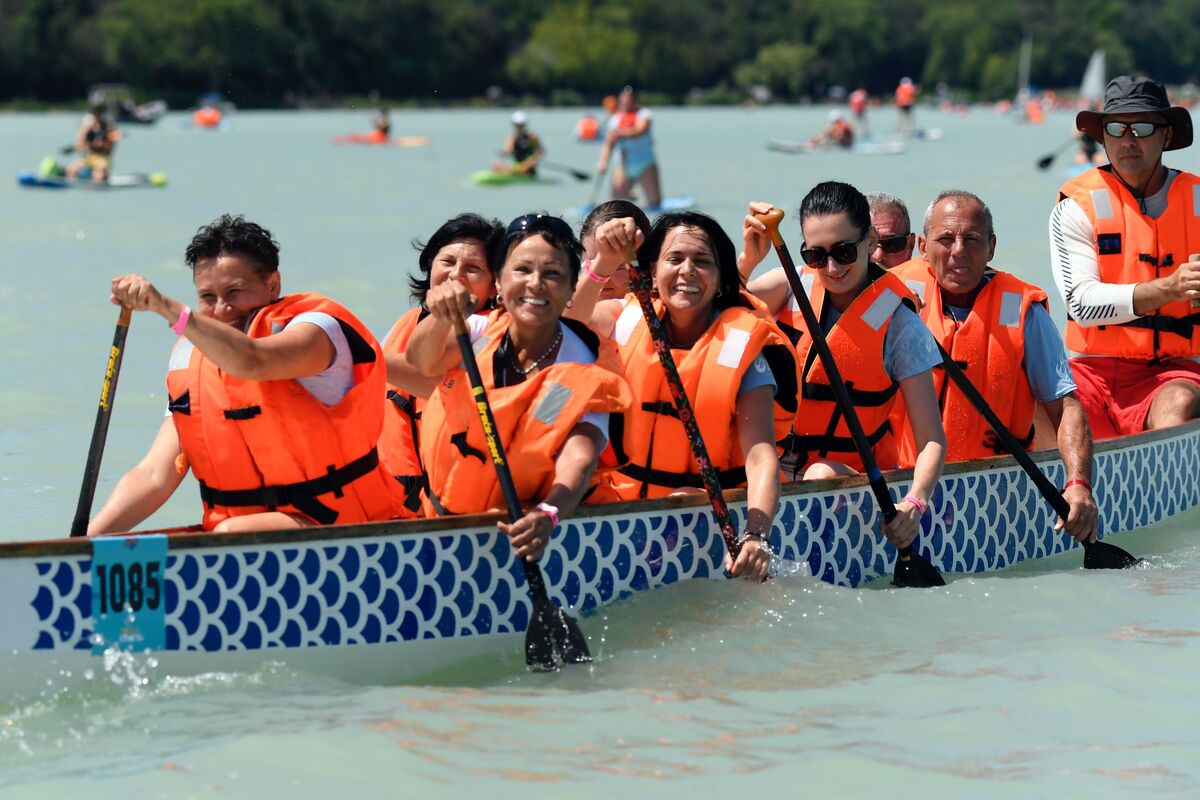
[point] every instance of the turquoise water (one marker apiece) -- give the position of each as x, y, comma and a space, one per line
1039, 681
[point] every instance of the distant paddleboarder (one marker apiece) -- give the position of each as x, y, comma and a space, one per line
629, 133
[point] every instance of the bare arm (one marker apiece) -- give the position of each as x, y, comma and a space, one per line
143, 489
297, 352
573, 471
920, 402
613, 239
1075, 447
756, 436
408, 378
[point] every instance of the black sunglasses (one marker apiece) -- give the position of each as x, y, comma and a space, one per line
893, 244
1140, 129
842, 252
540, 222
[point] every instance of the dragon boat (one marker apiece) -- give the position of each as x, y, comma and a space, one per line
391, 602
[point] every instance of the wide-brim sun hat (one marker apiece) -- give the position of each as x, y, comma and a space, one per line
1127, 94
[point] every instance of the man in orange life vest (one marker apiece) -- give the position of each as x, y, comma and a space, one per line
1124, 240
891, 223
998, 330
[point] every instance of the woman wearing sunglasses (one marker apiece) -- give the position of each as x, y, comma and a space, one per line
738, 370
879, 343
552, 385
460, 250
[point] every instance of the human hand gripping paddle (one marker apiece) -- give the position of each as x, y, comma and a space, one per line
108, 391
1096, 555
912, 569
552, 638
639, 282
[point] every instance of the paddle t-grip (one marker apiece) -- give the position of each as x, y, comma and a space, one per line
772, 219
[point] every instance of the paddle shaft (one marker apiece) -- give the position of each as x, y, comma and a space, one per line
878, 484
533, 573
577, 174
108, 392
1045, 161
640, 283
1045, 487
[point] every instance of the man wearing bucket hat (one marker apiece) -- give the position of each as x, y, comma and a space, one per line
523, 145
1125, 253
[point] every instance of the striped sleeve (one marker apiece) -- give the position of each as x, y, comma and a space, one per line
1089, 300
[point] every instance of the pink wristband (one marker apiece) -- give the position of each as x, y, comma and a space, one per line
182, 322
550, 511
587, 269
920, 504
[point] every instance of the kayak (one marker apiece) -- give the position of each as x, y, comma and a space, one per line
679, 203
367, 138
131, 180
487, 177
889, 147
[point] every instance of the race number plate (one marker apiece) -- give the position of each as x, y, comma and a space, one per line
129, 593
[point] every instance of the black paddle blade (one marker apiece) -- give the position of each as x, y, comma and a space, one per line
553, 639
1045, 161
1102, 555
913, 571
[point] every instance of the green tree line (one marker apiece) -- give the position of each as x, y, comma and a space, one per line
273, 52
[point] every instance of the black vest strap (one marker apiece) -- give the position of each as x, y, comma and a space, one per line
858, 397
678, 480
823, 445
301, 495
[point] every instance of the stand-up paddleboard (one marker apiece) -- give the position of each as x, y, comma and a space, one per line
394, 141
487, 177
889, 147
121, 181
679, 203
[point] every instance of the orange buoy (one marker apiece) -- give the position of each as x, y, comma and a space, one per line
587, 129
207, 117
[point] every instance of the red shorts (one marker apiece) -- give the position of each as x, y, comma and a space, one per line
1116, 393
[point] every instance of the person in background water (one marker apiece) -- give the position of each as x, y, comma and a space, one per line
551, 383
1123, 250
893, 229
737, 367
381, 126
839, 133
629, 133
96, 140
998, 329
523, 146
459, 250
880, 345
906, 98
276, 401
858, 107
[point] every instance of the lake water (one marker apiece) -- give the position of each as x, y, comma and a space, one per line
1043, 680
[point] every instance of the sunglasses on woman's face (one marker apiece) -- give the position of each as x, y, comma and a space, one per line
540, 222
893, 244
1140, 130
842, 252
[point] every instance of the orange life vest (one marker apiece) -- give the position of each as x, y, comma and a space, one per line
627, 119
1132, 248
856, 341
534, 419
587, 129
650, 441
906, 94
989, 347
258, 446
398, 448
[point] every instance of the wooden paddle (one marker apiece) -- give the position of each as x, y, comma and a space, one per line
912, 569
639, 282
108, 393
1096, 555
552, 638
1045, 161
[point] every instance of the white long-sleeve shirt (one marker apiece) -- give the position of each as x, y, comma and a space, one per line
1089, 300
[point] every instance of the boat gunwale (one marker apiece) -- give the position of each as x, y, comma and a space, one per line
192, 537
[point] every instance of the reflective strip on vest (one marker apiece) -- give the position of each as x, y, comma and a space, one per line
734, 347
917, 288
1196, 199
1010, 310
1102, 202
181, 355
480, 344
881, 310
554, 399
626, 323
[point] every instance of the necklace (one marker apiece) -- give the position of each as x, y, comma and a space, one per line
537, 361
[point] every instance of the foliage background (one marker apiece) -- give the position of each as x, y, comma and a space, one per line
287, 52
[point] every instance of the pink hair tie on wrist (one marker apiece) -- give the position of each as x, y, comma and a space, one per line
587, 269
182, 322
921, 506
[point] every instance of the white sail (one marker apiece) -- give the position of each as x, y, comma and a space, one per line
1023, 71
1091, 88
